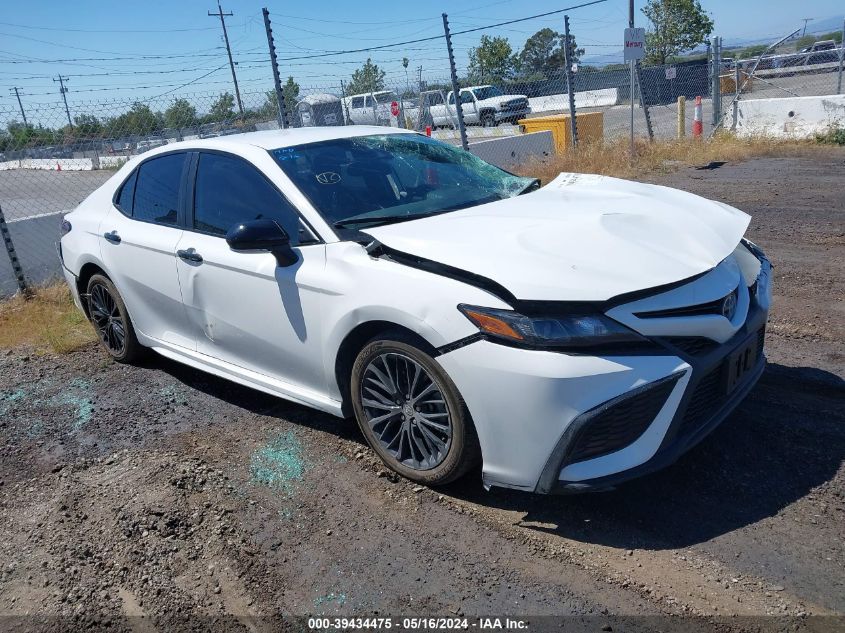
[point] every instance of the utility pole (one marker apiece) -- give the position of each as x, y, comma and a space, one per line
222, 17
419, 74
804, 32
277, 80
63, 90
23, 114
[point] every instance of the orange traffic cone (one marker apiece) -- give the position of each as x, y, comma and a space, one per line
697, 124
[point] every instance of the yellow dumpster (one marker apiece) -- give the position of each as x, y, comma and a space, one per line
590, 128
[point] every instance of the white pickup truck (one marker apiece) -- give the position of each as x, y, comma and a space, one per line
481, 105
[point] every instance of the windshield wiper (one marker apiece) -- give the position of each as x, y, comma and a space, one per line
534, 185
384, 219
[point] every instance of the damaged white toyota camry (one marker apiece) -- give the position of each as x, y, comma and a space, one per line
568, 337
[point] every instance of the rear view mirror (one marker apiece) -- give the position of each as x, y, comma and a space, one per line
262, 235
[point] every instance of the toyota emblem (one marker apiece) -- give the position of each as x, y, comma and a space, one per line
729, 306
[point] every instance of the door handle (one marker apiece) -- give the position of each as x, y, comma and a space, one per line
112, 237
189, 255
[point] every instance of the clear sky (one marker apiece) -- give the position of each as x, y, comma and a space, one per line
160, 49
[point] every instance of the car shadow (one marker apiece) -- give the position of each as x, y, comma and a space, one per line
255, 401
785, 439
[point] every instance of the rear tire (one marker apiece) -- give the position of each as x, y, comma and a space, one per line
108, 315
411, 412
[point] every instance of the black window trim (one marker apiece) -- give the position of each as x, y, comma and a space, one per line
180, 203
190, 183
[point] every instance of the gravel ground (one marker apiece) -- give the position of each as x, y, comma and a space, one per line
162, 492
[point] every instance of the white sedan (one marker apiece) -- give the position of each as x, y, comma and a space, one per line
568, 337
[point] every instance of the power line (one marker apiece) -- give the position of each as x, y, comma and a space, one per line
438, 37
66, 30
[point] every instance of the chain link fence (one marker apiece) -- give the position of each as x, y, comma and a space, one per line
63, 152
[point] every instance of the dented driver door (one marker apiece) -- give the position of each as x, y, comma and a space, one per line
244, 308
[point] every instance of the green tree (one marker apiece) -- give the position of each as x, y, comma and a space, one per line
677, 26
368, 78
180, 114
805, 42
87, 125
543, 53
752, 51
492, 60
223, 109
836, 36
139, 120
290, 93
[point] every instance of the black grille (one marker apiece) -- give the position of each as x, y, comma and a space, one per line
712, 307
693, 345
618, 423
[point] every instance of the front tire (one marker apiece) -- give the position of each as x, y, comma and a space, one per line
411, 413
488, 119
110, 319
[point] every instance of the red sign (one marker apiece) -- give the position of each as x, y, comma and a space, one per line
394, 108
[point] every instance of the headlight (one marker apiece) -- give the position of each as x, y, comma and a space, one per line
754, 249
576, 331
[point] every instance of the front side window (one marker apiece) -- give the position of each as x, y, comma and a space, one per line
357, 102
466, 96
229, 191
157, 189
370, 180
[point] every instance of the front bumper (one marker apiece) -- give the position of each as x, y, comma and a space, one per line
509, 115
530, 407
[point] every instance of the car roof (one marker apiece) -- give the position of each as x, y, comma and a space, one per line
274, 139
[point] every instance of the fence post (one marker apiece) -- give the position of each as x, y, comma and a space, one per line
716, 88
682, 116
841, 57
570, 83
277, 82
643, 103
13, 256
459, 110
735, 104
345, 104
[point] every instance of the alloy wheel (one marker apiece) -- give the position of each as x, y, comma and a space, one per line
406, 411
107, 319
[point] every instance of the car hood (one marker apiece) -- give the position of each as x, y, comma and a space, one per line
580, 238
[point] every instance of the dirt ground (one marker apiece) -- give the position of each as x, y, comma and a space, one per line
162, 492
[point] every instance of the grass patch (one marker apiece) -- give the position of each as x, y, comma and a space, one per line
612, 158
47, 321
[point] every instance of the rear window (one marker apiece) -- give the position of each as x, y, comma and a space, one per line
157, 189
127, 193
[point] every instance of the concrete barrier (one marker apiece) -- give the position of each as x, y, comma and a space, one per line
112, 162
583, 99
50, 164
789, 117
512, 150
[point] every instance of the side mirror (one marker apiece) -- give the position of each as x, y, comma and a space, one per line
262, 235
